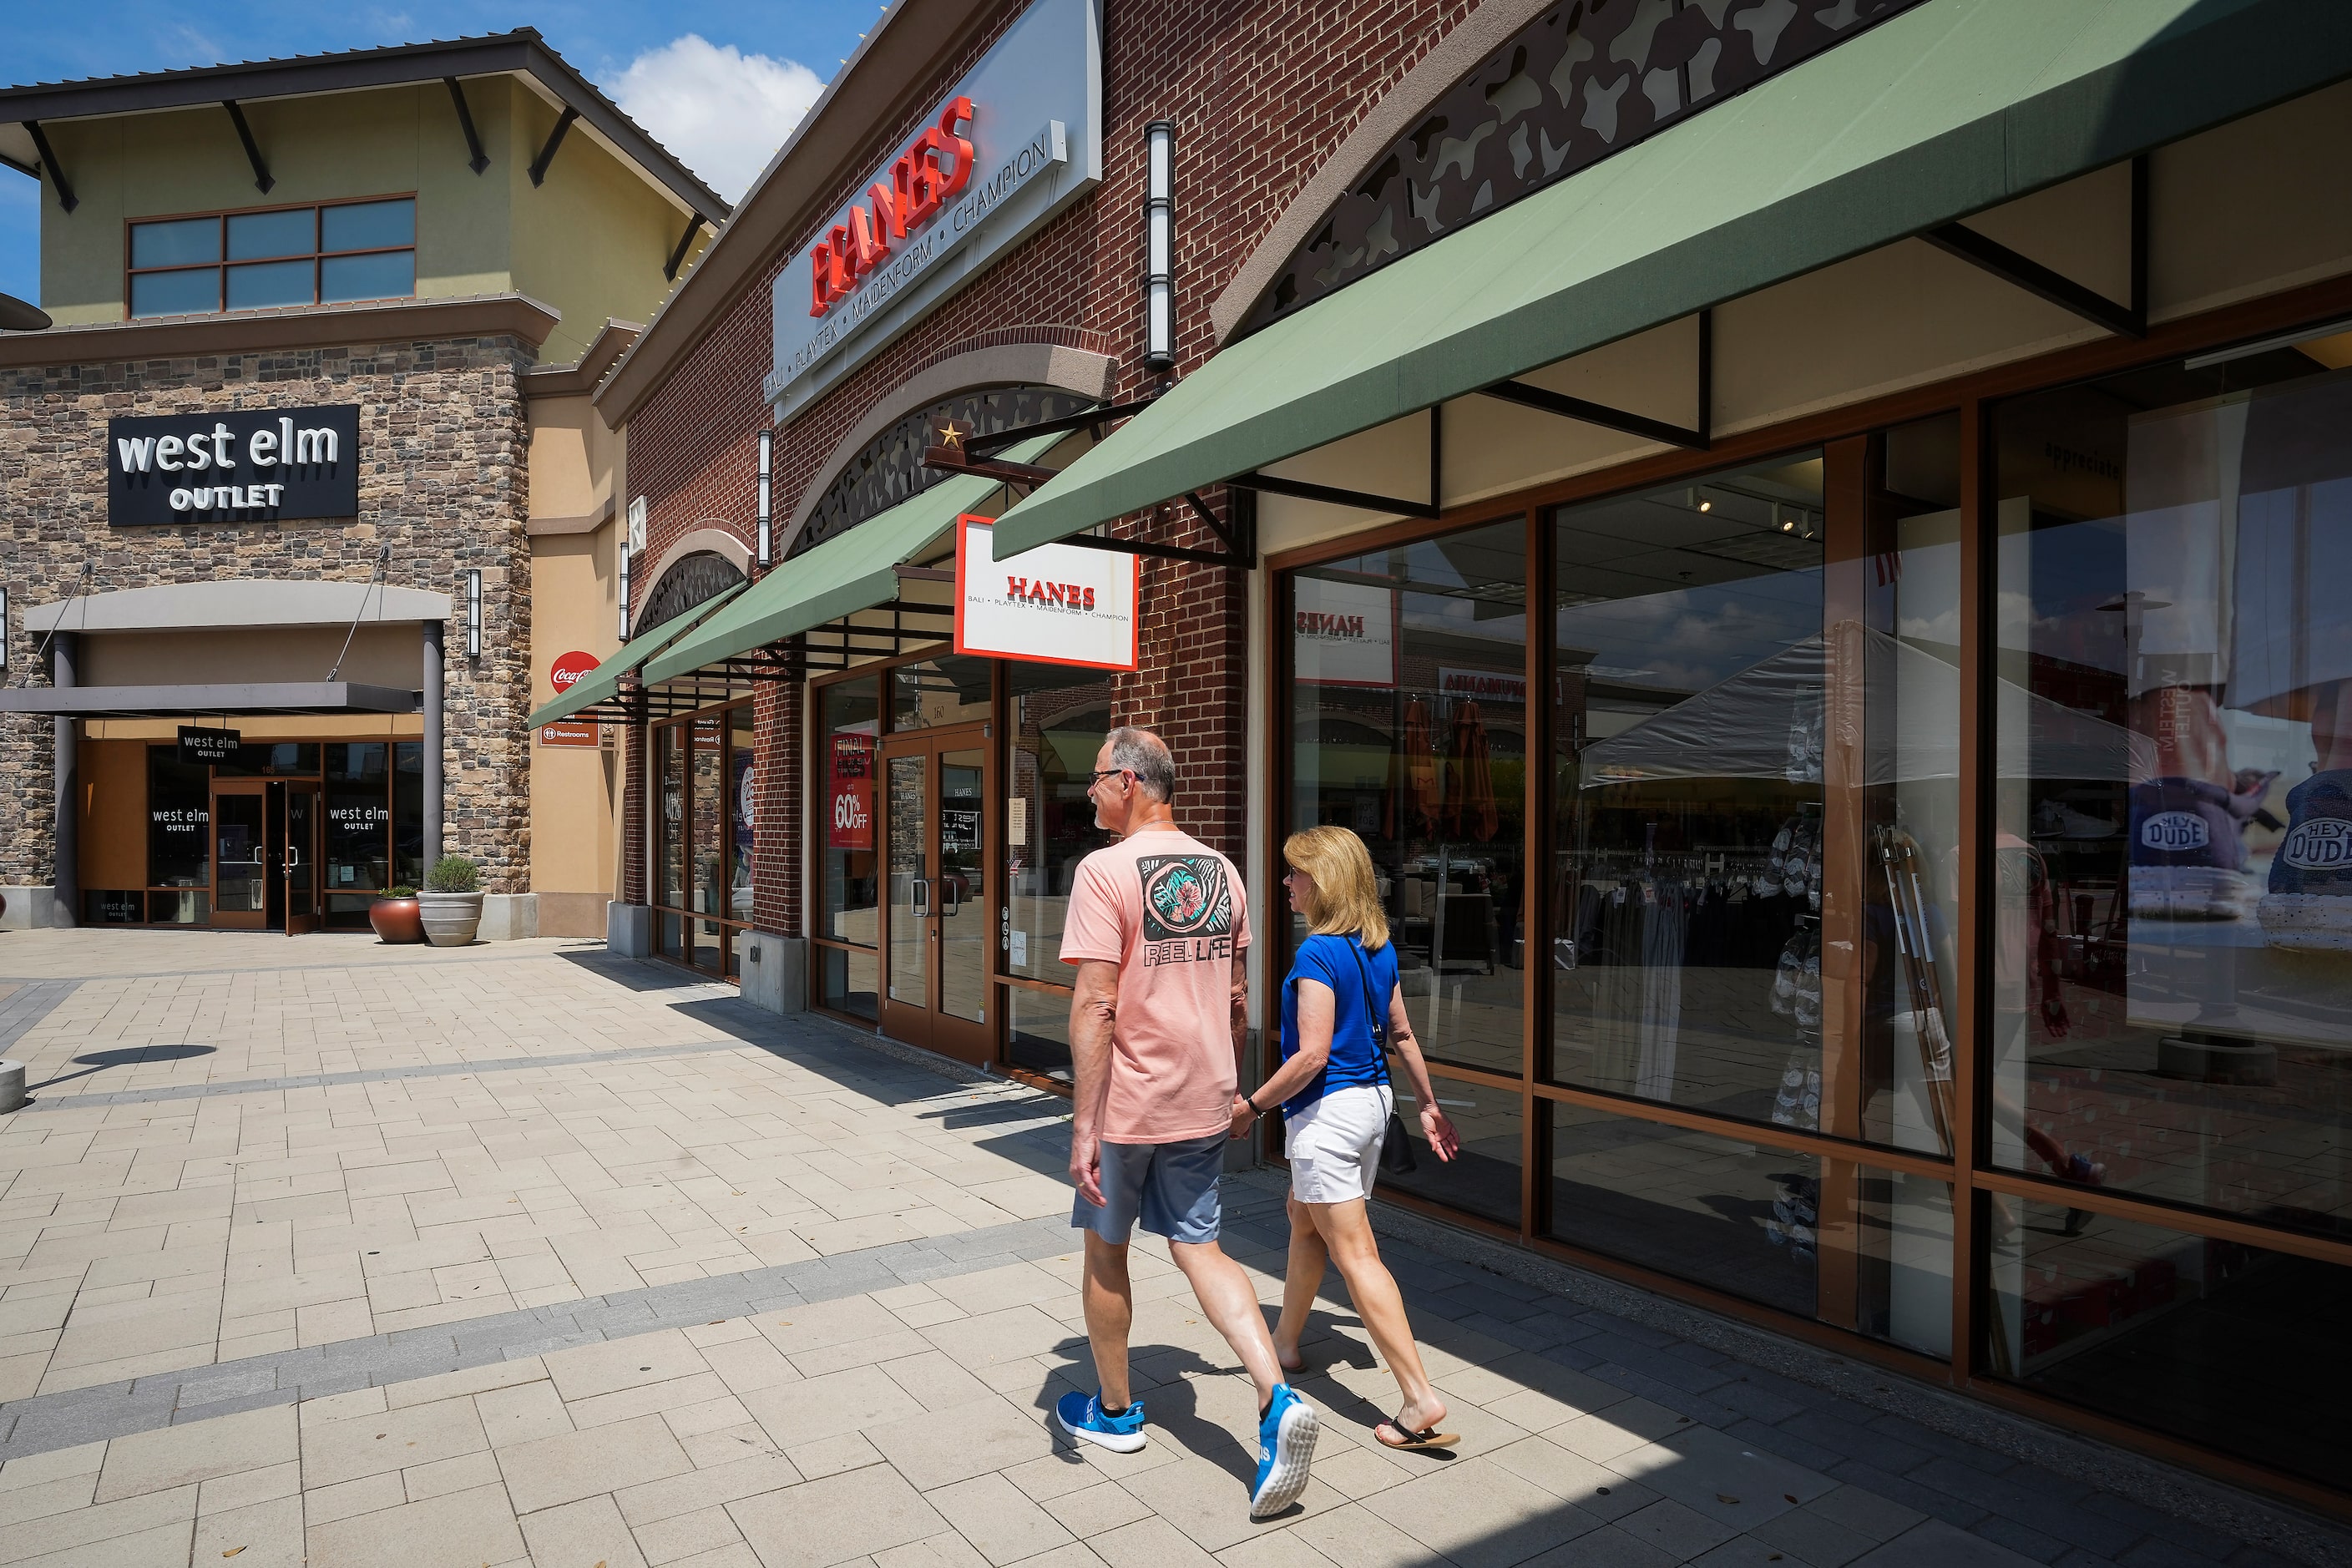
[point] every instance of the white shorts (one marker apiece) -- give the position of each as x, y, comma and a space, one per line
1334, 1146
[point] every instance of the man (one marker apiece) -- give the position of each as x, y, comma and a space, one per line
1158, 929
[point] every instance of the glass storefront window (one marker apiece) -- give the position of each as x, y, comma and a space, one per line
179, 821
847, 711
358, 806
707, 798
1038, 1031
408, 814
2235, 1347
272, 759
2172, 899
1868, 1250
1483, 1179
1686, 885
670, 764
1408, 725
743, 814
1060, 717
852, 979
950, 690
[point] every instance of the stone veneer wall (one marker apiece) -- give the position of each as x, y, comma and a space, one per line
443, 478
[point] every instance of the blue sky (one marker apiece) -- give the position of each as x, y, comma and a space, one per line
721, 102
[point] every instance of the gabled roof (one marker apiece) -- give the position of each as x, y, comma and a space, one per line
521, 53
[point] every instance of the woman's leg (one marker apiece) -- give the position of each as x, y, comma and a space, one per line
1347, 1232
1302, 1280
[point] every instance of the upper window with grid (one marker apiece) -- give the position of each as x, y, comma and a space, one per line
291, 256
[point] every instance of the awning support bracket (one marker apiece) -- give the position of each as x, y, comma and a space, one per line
959, 460
2129, 320
262, 181
684, 241
554, 140
480, 160
989, 446
1697, 438
65, 197
1364, 501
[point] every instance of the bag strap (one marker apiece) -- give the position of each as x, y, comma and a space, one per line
1374, 1018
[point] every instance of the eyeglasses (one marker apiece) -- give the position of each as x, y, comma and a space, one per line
1102, 773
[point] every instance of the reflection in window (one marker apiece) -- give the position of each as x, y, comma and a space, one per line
846, 725
707, 800
1059, 718
1483, 1179
742, 803
179, 821
950, 690
1038, 1031
2217, 1342
1686, 885
1755, 1222
408, 814
358, 828
852, 977
1408, 726
2173, 879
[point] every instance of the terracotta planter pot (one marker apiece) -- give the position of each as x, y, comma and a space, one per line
450, 919
396, 920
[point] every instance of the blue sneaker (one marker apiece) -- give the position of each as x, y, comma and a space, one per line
2309, 906
1285, 1439
1081, 1415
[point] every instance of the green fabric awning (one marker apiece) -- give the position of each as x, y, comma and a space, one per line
603, 682
853, 571
1941, 112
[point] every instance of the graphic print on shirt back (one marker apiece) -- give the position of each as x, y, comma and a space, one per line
1188, 908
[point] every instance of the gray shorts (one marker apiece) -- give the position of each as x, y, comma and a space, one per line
1171, 1189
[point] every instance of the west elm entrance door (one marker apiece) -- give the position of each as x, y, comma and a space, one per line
938, 938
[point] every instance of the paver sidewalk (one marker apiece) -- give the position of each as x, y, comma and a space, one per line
523, 1255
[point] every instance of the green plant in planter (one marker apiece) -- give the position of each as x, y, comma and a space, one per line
453, 874
400, 892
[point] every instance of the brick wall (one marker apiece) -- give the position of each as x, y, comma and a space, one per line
443, 480
1261, 91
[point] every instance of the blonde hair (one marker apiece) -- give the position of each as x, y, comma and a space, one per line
1346, 899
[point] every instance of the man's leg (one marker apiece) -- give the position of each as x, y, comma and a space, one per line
1223, 1290
1110, 1312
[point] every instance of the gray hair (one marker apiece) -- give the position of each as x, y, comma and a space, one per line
1145, 755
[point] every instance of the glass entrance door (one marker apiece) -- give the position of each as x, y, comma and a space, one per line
240, 855
302, 852
939, 958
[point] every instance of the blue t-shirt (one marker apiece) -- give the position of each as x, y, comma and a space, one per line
1355, 1055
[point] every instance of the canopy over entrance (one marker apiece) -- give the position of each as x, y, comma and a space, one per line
1946, 111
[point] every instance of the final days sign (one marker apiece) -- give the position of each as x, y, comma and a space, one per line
233, 466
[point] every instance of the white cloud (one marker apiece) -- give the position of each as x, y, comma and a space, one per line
722, 112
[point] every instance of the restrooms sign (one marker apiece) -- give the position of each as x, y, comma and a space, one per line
1013, 142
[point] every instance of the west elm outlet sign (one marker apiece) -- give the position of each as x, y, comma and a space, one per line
250, 464
1013, 142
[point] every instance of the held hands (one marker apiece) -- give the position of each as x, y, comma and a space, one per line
1242, 1117
1085, 1167
1444, 1142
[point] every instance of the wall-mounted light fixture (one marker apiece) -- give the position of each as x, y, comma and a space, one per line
473, 612
767, 455
624, 590
1159, 246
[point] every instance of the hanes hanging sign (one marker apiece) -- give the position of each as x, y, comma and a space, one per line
1058, 604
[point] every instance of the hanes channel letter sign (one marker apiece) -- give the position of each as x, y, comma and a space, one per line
1057, 603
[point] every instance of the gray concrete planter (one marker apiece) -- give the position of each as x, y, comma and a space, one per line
450, 919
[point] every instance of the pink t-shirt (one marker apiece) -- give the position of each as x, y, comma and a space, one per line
1168, 910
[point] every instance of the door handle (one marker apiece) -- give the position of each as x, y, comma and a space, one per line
922, 893
951, 897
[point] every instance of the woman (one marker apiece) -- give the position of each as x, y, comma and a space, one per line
1341, 998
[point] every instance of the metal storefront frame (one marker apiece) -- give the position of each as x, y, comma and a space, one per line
1972, 1179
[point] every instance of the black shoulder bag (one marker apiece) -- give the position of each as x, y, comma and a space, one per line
1396, 1144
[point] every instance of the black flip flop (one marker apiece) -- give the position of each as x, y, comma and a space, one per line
1427, 1437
